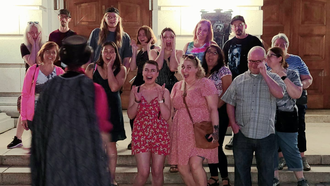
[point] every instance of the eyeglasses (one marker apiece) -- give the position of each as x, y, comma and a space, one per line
255, 61
270, 55
33, 22
111, 17
210, 52
238, 26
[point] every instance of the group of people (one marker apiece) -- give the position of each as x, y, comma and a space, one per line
239, 86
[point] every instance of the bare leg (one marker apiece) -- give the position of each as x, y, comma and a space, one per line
187, 175
112, 153
197, 170
20, 128
299, 175
143, 168
157, 169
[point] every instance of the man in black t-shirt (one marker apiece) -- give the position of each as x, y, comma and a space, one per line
236, 51
237, 48
64, 31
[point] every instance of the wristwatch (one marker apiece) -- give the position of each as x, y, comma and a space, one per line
283, 77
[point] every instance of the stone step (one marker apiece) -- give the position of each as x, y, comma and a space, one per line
6, 122
16, 160
126, 175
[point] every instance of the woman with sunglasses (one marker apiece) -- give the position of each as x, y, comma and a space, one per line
111, 29
32, 43
149, 104
203, 37
202, 102
286, 126
219, 73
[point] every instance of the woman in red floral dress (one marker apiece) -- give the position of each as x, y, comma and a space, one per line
149, 104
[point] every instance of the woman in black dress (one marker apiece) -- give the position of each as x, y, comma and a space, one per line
111, 75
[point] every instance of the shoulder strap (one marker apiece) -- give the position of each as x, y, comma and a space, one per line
184, 100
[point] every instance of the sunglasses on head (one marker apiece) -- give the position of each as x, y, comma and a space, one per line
189, 56
33, 22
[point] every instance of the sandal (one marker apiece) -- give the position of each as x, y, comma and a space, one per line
216, 182
174, 169
226, 179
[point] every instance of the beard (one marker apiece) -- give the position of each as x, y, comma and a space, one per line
63, 24
239, 32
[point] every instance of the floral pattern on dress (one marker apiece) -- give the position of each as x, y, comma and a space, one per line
150, 130
182, 133
216, 78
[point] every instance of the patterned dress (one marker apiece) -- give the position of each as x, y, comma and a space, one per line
150, 132
182, 133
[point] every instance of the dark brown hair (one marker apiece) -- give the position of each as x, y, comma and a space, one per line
279, 53
117, 64
220, 61
152, 62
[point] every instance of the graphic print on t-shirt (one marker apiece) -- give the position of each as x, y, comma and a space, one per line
234, 58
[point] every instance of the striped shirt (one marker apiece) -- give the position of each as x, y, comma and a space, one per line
255, 106
297, 64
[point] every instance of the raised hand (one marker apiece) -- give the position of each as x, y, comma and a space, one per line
262, 68
38, 38
161, 91
30, 39
134, 45
149, 43
137, 94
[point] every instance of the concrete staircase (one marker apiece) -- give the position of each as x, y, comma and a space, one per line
14, 163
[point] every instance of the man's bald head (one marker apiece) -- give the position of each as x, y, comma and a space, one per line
257, 50
256, 56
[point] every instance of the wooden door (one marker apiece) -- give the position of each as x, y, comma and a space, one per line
307, 24
87, 15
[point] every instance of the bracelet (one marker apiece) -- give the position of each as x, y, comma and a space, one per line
161, 101
137, 101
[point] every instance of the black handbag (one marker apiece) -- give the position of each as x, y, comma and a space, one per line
287, 121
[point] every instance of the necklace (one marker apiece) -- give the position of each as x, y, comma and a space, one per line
192, 84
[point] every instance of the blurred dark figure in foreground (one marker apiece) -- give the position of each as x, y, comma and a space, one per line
69, 126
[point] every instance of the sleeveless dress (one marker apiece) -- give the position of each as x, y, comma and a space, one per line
141, 58
198, 52
166, 76
114, 102
182, 132
150, 131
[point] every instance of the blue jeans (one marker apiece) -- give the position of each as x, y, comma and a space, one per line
243, 154
288, 143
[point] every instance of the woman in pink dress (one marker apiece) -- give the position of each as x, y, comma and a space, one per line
149, 104
202, 99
